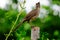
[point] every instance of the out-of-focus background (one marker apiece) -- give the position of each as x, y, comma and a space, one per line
48, 20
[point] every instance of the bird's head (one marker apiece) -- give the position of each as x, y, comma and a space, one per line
38, 5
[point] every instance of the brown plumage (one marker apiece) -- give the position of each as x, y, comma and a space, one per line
33, 14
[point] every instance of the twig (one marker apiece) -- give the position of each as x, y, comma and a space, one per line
14, 24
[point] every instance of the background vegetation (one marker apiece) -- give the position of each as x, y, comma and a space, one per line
49, 25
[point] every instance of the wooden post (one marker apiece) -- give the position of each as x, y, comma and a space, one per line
35, 33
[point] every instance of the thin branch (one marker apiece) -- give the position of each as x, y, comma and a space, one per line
14, 23
13, 26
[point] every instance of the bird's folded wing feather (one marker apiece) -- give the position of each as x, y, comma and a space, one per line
32, 14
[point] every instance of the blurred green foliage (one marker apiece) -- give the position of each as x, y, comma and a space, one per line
15, 1
56, 2
49, 26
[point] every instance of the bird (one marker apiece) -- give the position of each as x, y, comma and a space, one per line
31, 15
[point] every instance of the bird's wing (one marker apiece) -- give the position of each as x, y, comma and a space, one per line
31, 14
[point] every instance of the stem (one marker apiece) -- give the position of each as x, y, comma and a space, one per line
15, 21
13, 25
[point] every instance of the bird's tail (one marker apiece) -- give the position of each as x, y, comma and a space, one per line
19, 25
